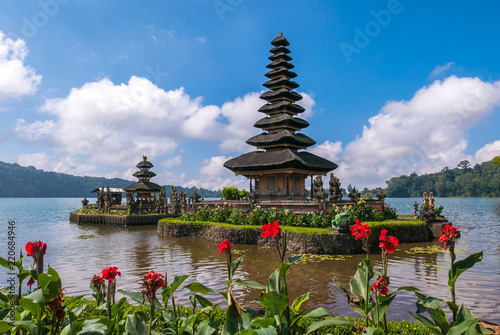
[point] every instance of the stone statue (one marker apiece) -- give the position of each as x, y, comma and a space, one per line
85, 202
354, 195
182, 200
101, 198
425, 203
431, 202
163, 200
108, 199
195, 197
415, 210
380, 195
335, 192
318, 188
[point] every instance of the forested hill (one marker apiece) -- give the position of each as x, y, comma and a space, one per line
482, 180
25, 182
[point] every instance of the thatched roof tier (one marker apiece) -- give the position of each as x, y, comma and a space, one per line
281, 73
280, 50
281, 107
143, 186
144, 174
113, 190
144, 164
280, 41
280, 56
284, 138
279, 64
281, 94
281, 121
280, 83
284, 160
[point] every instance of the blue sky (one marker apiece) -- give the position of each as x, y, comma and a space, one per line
390, 87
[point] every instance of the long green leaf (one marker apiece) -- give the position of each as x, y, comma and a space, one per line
251, 284
320, 312
274, 301
207, 327
428, 323
200, 288
460, 266
439, 318
327, 322
136, 296
293, 259
299, 301
178, 280
235, 264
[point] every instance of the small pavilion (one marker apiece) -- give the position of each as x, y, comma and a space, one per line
144, 187
281, 166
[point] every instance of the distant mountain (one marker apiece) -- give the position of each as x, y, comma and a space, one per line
482, 180
28, 182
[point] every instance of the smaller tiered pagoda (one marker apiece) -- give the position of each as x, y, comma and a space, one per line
144, 187
280, 169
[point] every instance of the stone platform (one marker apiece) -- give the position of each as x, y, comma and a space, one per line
117, 220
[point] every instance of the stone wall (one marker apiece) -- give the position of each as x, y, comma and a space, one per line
117, 220
325, 243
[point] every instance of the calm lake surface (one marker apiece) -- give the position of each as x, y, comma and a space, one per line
79, 251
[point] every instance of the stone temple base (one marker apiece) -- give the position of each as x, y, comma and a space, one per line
117, 220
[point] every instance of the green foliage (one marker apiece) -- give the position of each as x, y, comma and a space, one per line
230, 193
496, 161
483, 180
286, 217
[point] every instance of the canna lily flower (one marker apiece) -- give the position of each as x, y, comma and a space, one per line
271, 229
152, 282
110, 274
56, 308
35, 249
360, 230
31, 281
224, 247
449, 235
380, 286
387, 243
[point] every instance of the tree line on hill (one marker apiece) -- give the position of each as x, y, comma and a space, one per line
28, 182
482, 180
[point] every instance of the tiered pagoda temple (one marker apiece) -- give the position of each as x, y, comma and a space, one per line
279, 169
144, 187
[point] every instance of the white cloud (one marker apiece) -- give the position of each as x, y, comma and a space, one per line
328, 150
39, 160
16, 79
201, 40
172, 161
213, 175
440, 69
487, 152
423, 134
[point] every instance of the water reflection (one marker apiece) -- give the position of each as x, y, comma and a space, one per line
77, 252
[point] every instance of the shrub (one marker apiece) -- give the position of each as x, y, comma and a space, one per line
230, 193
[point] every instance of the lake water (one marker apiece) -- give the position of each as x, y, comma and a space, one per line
79, 251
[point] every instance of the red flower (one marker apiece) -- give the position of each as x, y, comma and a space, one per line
152, 282
56, 309
110, 274
388, 243
380, 286
360, 230
271, 229
34, 249
31, 281
224, 247
448, 235
96, 281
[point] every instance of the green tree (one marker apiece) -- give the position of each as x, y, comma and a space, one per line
230, 193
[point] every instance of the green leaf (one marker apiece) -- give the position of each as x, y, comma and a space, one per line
320, 312
284, 269
266, 331
439, 318
274, 301
93, 328
200, 288
461, 327
382, 308
425, 303
5, 327
460, 266
33, 301
251, 284
4, 263
50, 284
178, 280
206, 327
204, 302
428, 323
299, 301
134, 326
235, 264
373, 331
136, 296
327, 322
272, 285
263, 322
293, 259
